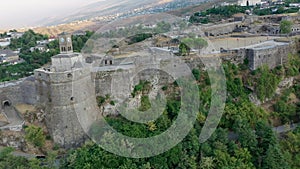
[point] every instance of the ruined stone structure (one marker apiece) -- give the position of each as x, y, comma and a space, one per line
221, 29
269, 53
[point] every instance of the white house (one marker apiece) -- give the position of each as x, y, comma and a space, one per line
4, 42
251, 2
41, 48
9, 56
15, 35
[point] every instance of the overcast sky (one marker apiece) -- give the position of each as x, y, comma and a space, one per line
24, 13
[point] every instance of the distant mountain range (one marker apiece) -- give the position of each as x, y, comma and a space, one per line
105, 10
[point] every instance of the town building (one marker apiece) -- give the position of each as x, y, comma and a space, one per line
4, 42
40, 48
9, 56
79, 33
248, 2
239, 17
15, 35
42, 42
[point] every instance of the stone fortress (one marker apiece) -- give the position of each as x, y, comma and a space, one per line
55, 87
68, 88
271, 53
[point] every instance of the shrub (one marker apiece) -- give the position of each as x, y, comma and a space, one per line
35, 136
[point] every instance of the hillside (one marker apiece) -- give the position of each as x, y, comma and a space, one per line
93, 16
187, 11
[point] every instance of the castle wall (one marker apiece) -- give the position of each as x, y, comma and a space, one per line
267, 53
269, 56
17, 92
119, 83
221, 29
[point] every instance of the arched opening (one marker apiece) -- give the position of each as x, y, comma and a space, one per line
6, 103
69, 75
72, 98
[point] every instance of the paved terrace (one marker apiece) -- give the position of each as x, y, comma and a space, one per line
16, 122
265, 45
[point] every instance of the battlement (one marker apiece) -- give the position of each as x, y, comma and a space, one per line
61, 77
66, 62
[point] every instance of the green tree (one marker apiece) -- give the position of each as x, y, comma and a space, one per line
207, 163
246, 135
286, 26
35, 136
274, 158
10, 161
291, 144
196, 73
196, 43
184, 49
267, 83
200, 43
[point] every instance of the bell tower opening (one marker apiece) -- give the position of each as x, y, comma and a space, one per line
65, 43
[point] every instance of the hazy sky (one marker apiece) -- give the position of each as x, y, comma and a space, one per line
22, 13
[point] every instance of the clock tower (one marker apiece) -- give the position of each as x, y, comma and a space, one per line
65, 43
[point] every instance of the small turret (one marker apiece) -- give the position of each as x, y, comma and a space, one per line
65, 43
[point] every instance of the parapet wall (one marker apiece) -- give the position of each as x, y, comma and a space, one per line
221, 29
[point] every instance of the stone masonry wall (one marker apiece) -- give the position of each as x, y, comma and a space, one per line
66, 96
22, 91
